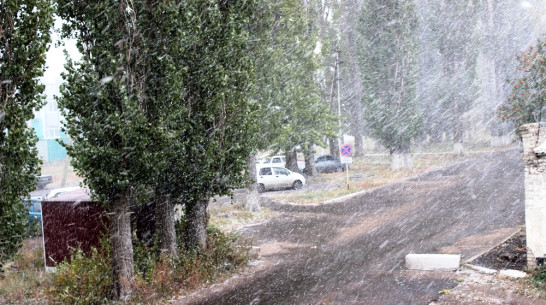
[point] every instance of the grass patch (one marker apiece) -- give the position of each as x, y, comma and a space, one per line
226, 252
86, 279
538, 279
231, 217
365, 173
22, 280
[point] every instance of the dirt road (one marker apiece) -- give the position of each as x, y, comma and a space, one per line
353, 252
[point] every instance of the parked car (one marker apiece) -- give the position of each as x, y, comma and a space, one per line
42, 181
328, 164
272, 177
274, 161
279, 161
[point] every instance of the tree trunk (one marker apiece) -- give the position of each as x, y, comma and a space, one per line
292, 161
310, 169
334, 147
121, 249
401, 158
359, 145
197, 220
458, 133
164, 224
252, 198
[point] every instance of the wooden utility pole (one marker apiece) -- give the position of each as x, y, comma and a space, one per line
335, 143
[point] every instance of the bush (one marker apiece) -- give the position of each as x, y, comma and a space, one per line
85, 279
539, 279
159, 276
34, 227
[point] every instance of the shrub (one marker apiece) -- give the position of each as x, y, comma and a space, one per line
539, 278
159, 276
85, 279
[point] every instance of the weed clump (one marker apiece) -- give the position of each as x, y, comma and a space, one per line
539, 278
162, 275
87, 278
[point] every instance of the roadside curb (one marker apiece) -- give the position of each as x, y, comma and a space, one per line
471, 259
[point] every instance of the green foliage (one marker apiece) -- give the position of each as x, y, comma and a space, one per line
103, 104
34, 227
163, 275
24, 37
225, 252
85, 279
388, 51
161, 103
526, 102
145, 257
539, 278
218, 118
287, 89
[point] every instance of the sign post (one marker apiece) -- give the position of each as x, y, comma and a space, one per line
345, 155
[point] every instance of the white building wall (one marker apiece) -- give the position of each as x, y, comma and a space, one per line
535, 192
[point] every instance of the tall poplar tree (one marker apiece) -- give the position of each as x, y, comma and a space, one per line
159, 106
104, 107
287, 89
454, 26
24, 37
388, 52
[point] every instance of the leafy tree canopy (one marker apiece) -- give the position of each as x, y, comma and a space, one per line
24, 37
526, 103
292, 112
388, 50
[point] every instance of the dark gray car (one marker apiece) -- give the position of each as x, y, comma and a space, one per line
328, 164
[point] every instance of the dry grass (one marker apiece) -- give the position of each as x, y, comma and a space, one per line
365, 173
231, 217
23, 279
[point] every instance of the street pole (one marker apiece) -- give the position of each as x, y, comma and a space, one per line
347, 171
338, 100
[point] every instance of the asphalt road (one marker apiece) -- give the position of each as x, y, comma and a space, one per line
353, 252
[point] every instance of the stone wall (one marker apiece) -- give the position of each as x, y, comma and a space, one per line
535, 193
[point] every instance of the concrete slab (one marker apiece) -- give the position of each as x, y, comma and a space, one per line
433, 261
513, 273
482, 269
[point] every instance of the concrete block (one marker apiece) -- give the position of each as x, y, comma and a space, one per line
433, 261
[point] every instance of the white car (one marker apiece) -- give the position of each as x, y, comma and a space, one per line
279, 161
274, 161
272, 177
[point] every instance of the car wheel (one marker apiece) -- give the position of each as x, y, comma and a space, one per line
297, 185
261, 188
